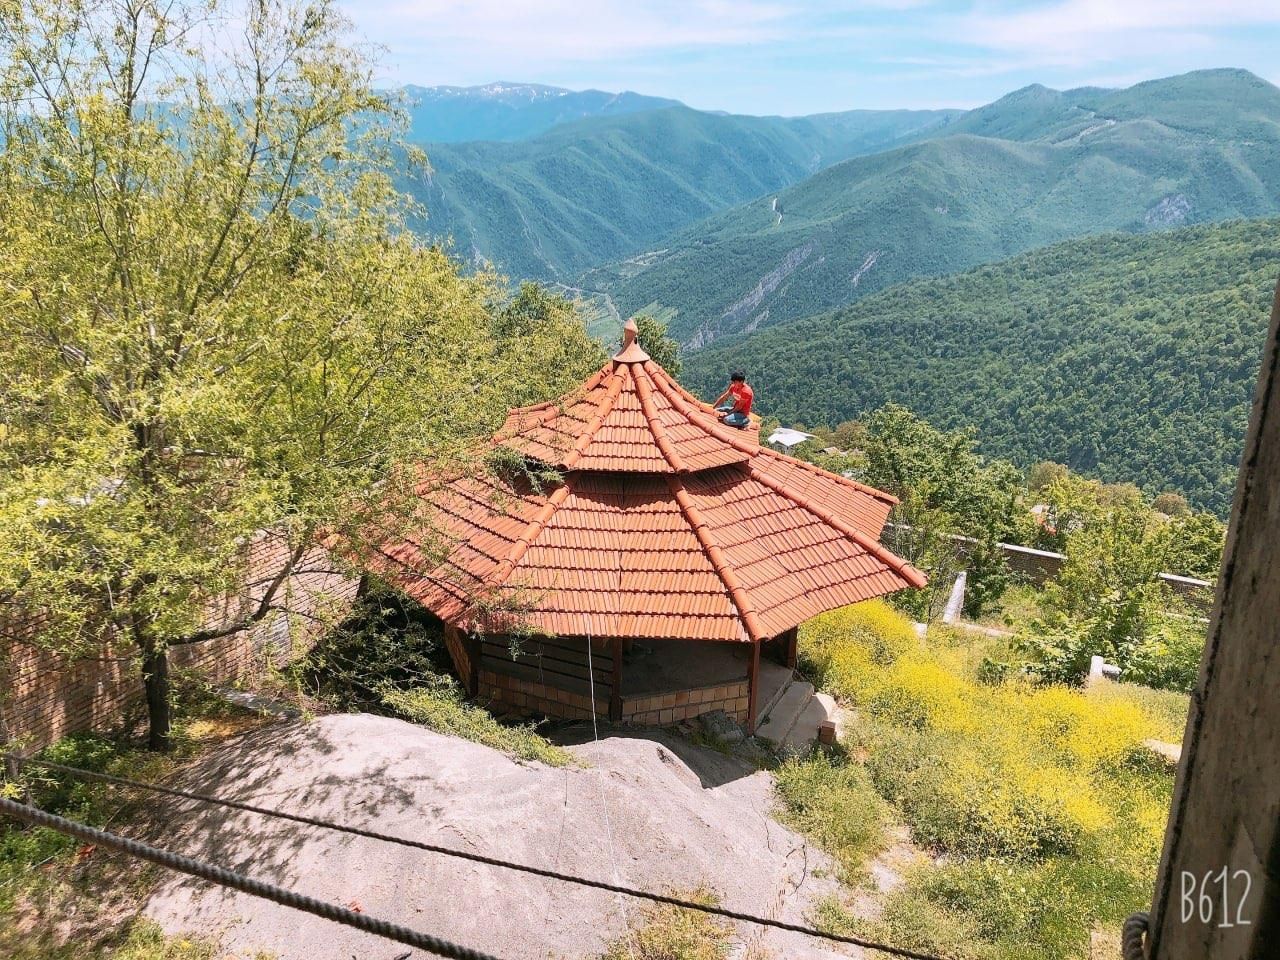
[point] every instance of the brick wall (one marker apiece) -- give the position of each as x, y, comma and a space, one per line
529, 696
457, 647
44, 696
663, 708
657, 709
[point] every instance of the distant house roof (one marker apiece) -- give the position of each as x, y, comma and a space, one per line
664, 523
786, 437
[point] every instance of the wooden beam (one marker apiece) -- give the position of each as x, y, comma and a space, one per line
753, 682
615, 697
475, 646
792, 639
1218, 890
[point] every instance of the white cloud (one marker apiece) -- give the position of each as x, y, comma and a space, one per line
570, 30
1075, 31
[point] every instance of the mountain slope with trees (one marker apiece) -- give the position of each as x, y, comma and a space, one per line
1034, 168
1125, 357
604, 188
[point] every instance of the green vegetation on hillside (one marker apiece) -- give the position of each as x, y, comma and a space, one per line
955, 510
1044, 807
1035, 168
1131, 358
602, 189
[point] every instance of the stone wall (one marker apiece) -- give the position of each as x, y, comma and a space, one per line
45, 696
1040, 566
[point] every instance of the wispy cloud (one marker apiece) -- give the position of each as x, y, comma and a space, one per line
795, 56
1083, 31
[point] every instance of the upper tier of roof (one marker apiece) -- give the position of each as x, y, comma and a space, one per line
630, 417
664, 524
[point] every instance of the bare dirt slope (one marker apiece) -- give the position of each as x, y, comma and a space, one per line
650, 811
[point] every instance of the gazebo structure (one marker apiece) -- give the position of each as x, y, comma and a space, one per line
668, 555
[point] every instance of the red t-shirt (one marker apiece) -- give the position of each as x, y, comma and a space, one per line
742, 395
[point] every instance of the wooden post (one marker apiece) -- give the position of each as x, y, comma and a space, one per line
753, 681
615, 697
1218, 890
473, 681
792, 640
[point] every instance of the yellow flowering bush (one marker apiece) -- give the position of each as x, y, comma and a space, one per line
1008, 770
918, 693
1051, 814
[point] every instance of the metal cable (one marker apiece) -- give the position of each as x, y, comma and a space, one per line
488, 861
1133, 936
238, 881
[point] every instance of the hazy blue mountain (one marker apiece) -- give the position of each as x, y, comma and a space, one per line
510, 111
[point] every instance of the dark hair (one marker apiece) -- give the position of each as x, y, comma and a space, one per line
737, 377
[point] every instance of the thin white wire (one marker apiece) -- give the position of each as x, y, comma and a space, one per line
604, 806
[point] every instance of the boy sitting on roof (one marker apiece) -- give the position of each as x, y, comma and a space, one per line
734, 405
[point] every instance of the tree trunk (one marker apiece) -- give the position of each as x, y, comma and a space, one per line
155, 679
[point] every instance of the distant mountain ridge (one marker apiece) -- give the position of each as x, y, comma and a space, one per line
510, 111
1033, 168
589, 191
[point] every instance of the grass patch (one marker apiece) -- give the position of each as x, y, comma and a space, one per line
442, 708
45, 875
1048, 811
389, 658
675, 933
1018, 606
834, 801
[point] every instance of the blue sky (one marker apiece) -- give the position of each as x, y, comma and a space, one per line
794, 57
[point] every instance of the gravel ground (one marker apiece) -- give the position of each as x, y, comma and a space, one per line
650, 811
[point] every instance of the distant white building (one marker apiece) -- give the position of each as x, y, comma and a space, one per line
785, 438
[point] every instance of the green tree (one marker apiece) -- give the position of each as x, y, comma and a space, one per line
1171, 504
665, 350
214, 320
1044, 473
1108, 601
1195, 546
942, 483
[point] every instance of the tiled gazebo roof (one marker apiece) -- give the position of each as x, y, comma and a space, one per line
665, 524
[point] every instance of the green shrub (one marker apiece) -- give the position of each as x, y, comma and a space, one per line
832, 800
440, 706
674, 933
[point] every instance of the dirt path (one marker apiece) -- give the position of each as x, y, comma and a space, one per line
651, 811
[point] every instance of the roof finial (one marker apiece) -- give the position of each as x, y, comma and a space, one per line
631, 351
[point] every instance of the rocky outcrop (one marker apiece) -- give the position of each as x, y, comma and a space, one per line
1170, 211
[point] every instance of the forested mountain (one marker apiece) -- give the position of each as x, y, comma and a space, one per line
1126, 357
1033, 168
599, 189
510, 111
